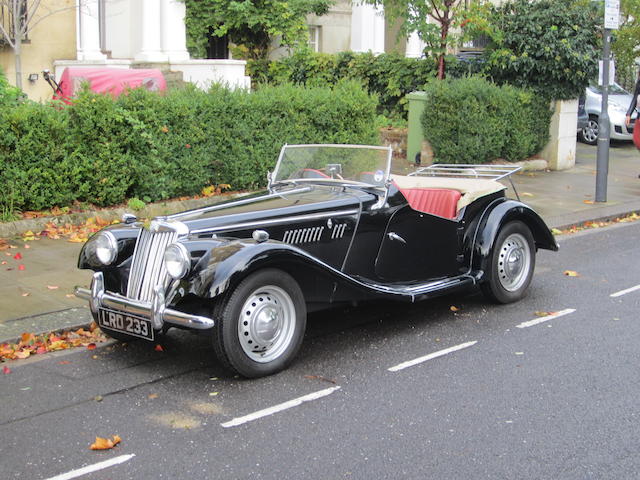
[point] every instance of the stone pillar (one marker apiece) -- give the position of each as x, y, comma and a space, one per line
367, 28
89, 28
150, 23
173, 34
415, 46
560, 152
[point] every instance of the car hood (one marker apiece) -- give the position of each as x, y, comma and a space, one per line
620, 100
283, 205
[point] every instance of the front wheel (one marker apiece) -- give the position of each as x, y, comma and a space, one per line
260, 325
511, 264
589, 134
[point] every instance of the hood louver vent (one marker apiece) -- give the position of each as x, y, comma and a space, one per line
303, 235
338, 231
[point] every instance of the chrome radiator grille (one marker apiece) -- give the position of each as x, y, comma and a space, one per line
147, 266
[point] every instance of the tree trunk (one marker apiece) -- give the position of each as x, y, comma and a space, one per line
17, 42
444, 32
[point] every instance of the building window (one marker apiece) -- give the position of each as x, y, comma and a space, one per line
314, 38
7, 20
218, 47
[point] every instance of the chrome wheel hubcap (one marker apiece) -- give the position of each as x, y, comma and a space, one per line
514, 262
590, 132
266, 324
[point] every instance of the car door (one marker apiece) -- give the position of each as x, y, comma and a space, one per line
418, 246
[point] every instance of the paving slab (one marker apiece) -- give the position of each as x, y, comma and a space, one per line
567, 197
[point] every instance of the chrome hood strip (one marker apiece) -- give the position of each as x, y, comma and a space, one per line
277, 221
236, 203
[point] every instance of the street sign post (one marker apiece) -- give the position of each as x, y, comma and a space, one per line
611, 22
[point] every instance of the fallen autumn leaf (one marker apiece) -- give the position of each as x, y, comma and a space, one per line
105, 443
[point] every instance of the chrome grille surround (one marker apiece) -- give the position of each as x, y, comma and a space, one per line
147, 265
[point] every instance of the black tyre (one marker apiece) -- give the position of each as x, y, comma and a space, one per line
260, 325
511, 264
589, 134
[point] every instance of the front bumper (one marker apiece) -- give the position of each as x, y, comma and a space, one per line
156, 311
618, 129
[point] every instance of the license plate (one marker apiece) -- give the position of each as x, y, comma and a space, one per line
125, 323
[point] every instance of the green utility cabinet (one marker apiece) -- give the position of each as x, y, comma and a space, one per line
417, 101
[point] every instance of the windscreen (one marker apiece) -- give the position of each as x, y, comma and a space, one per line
340, 163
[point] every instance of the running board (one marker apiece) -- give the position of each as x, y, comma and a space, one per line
414, 292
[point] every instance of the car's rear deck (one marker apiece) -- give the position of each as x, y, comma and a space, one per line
444, 190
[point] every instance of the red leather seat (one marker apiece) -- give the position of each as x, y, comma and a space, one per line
436, 201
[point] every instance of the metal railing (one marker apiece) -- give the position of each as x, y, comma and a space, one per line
484, 172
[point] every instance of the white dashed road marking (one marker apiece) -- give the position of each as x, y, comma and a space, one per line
279, 408
624, 292
437, 354
93, 468
546, 318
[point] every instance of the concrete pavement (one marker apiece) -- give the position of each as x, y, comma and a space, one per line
39, 298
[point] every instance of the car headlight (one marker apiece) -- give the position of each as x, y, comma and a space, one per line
177, 260
105, 247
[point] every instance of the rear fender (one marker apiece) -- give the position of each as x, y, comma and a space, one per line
495, 217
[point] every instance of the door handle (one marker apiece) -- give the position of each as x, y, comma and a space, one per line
395, 236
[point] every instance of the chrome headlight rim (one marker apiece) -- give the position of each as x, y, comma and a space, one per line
180, 263
105, 253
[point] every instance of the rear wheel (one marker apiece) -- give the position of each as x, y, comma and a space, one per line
511, 264
260, 325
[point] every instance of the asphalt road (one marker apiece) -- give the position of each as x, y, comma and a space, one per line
557, 399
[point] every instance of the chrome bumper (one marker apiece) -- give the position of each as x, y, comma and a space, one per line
155, 311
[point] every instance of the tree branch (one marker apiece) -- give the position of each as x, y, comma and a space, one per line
435, 13
6, 36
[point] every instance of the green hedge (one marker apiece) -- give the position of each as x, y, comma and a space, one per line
472, 120
102, 151
390, 76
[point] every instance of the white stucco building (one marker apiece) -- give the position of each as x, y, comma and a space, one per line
148, 33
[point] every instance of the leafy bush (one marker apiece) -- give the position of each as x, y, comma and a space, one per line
103, 150
472, 120
549, 46
9, 95
389, 76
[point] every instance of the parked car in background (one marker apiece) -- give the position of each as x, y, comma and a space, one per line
583, 116
619, 101
112, 81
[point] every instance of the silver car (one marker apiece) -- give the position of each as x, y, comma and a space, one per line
619, 101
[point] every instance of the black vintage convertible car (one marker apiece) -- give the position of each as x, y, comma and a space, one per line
334, 226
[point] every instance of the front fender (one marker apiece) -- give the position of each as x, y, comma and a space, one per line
225, 264
496, 216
